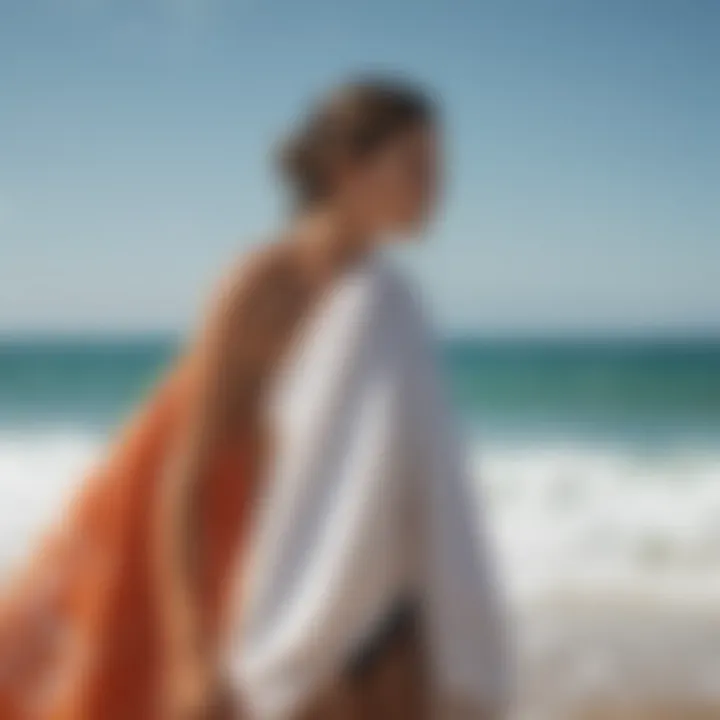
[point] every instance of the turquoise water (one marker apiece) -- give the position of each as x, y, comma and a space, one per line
640, 389
612, 388
91, 384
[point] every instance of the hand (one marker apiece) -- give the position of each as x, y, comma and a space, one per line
190, 690
457, 710
223, 705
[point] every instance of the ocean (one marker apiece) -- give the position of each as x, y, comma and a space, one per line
639, 390
597, 464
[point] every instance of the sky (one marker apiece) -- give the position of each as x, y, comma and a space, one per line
582, 141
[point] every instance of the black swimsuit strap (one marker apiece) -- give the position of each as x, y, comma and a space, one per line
402, 618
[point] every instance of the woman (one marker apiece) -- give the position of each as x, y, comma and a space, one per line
302, 543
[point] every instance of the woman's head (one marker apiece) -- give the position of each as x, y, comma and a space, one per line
370, 148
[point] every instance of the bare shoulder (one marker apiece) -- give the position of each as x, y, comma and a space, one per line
262, 285
258, 273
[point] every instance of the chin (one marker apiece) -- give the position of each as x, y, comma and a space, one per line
409, 227
415, 227
407, 235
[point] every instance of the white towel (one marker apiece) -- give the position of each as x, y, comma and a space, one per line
368, 501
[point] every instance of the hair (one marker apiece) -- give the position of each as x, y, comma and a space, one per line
351, 123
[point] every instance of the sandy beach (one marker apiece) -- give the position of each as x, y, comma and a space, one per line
630, 659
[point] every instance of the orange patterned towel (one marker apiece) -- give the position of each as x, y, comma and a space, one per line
79, 632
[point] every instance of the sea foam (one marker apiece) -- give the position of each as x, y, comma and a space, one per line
566, 518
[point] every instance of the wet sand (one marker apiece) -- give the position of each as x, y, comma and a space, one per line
649, 711
623, 660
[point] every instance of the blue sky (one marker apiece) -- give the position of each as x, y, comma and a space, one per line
583, 141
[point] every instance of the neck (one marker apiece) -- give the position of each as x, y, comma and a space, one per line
329, 243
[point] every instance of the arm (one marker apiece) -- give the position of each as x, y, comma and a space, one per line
222, 381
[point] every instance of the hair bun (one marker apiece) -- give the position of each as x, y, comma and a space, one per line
300, 167
291, 158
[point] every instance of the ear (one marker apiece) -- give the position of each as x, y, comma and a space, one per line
344, 174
